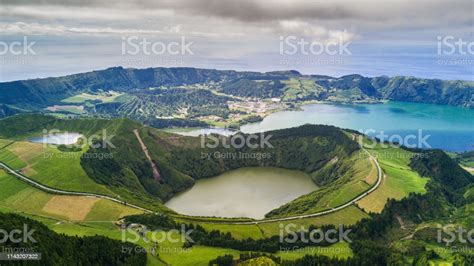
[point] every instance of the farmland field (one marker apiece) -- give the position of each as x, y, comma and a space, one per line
18, 196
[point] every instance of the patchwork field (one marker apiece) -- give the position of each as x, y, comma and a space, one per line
74, 208
17, 196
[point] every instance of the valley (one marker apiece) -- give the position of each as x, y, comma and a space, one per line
236, 133
352, 174
135, 159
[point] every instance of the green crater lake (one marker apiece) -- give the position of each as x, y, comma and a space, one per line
246, 192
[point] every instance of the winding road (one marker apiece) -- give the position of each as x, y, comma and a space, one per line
65, 192
335, 209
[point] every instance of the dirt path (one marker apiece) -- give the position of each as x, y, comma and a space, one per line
400, 221
156, 173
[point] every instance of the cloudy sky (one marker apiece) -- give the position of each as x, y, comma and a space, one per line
371, 37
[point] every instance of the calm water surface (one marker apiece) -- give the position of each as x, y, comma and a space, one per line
245, 192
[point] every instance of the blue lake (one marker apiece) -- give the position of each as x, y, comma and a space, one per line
445, 127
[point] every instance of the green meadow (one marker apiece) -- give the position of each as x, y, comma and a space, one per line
399, 179
49, 166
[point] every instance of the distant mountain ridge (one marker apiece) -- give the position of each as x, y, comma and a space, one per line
36, 94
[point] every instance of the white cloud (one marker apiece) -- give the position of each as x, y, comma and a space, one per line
46, 29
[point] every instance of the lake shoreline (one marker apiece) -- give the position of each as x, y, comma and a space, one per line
263, 188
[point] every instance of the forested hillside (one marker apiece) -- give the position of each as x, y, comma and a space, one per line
59, 249
189, 93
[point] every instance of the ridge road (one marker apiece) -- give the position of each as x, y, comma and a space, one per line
338, 208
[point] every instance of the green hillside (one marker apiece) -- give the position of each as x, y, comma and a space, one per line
394, 225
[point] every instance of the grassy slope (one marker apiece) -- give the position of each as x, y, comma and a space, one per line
356, 178
347, 216
399, 179
300, 89
65, 170
51, 167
